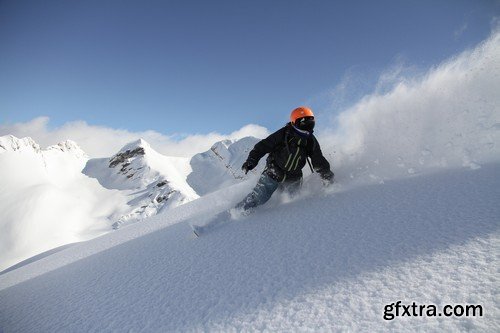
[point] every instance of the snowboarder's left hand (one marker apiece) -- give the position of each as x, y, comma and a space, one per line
327, 178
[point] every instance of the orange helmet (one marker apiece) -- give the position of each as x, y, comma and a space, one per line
300, 112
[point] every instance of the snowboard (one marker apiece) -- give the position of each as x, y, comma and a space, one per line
211, 223
218, 220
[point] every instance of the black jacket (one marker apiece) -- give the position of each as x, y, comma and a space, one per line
287, 154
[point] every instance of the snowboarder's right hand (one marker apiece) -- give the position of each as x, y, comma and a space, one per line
248, 165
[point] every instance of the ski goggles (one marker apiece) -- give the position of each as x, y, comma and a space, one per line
305, 123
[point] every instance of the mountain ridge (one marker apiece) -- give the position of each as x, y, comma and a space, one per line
135, 183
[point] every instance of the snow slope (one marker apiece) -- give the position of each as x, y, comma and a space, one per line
431, 239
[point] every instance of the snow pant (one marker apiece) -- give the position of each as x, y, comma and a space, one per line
265, 188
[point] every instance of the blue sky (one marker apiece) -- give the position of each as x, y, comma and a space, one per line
201, 66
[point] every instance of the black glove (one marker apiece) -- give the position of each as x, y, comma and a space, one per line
248, 165
327, 177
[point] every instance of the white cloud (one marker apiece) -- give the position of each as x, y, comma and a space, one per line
100, 141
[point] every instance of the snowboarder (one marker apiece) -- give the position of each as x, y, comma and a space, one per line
289, 148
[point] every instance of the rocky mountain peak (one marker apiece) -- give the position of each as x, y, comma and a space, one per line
140, 143
130, 151
12, 143
69, 146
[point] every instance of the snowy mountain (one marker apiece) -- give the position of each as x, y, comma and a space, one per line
11, 143
220, 166
150, 181
39, 186
45, 200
